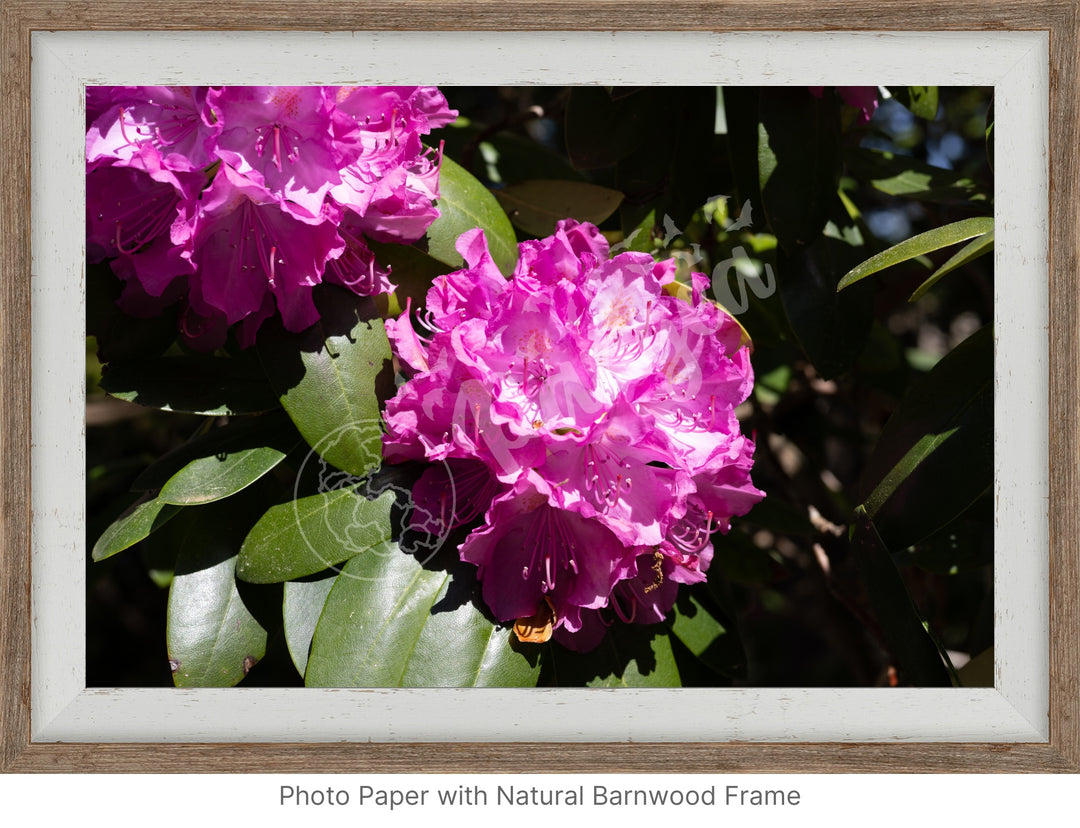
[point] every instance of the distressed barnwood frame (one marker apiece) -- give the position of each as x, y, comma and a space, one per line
1059, 18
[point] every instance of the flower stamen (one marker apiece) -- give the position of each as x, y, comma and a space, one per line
658, 568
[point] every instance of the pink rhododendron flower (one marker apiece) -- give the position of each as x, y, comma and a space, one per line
139, 212
863, 98
171, 119
590, 414
238, 201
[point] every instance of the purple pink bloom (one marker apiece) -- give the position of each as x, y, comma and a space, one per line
863, 98
238, 201
587, 414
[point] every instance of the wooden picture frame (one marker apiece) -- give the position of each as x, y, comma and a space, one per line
1059, 19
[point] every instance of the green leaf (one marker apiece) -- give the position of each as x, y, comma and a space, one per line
145, 516
536, 206
301, 607
901, 175
639, 239
710, 638
799, 162
333, 377
935, 456
199, 384
919, 245
220, 462
305, 536
390, 622
213, 638
921, 100
969, 252
920, 659
629, 655
465, 203
214, 478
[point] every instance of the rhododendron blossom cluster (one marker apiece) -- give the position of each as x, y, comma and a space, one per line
588, 413
238, 200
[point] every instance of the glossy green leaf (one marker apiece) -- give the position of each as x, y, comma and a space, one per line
921, 100
305, 536
221, 461
799, 162
628, 656
969, 252
213, 639
301, 607
919, 245
919, 658
902, 175
390, 622
935, 456
214, 478
465, 203
708, 635
197, 384
536, 206
333, 377
145, 516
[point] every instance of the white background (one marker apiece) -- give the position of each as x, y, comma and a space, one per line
874, 801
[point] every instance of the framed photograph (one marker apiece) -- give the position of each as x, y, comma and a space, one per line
647, 357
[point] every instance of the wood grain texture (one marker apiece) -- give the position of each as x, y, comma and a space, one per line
546, 15
1064, 388
18, 18
14, 385
507, 757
